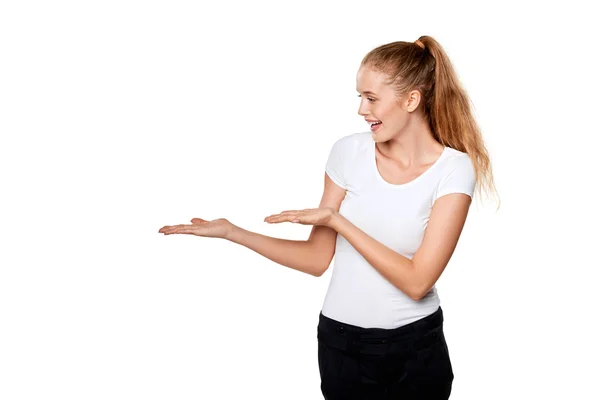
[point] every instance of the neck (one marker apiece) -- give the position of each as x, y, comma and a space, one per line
414, 146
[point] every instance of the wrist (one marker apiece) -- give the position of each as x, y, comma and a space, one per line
334, 220
232, 233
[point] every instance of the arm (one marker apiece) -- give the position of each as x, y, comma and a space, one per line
311, 256
300, 255
417, 275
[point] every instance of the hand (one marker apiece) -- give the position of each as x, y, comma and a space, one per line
309, 216
218, 228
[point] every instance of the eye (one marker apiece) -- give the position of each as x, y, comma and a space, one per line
368, 98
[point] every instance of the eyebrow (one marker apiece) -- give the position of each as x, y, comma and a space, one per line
368, 92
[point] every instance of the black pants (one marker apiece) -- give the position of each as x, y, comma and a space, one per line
409, 362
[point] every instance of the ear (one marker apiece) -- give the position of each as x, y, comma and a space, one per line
413, 100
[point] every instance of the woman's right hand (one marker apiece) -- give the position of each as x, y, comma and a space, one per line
217, 228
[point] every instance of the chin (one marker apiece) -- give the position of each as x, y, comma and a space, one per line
378, 137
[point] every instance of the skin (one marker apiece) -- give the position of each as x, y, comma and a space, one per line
404, 142
405, 149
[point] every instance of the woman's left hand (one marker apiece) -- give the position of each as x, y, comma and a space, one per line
309, 216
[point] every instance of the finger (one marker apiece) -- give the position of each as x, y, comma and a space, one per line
272, 217
166, 228
283, 214
180, 231
186, 229
289, 218
278, 219
172, 228
198, 221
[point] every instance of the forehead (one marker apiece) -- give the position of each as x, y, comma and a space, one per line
369, 80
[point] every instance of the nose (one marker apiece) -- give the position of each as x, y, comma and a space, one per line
362, 109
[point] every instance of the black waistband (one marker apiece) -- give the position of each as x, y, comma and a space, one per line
379, 340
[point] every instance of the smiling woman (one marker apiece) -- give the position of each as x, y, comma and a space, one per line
394, 204
409, 184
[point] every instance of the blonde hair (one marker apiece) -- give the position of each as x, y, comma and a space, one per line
424, 66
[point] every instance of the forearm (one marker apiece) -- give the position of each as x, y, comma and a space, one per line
300, 255
392, 265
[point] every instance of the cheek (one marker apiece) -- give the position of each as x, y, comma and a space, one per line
388, 110
395, 120
391, 116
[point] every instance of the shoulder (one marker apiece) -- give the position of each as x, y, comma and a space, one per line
349, 145
343, 157
457, 160
457, 175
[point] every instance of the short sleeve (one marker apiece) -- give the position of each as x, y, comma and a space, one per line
460, 177
335, 164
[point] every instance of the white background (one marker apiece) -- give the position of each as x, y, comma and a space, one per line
120, 117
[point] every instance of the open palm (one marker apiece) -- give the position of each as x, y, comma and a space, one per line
309, 216
218, 228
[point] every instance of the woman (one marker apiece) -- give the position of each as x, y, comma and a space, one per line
395, 202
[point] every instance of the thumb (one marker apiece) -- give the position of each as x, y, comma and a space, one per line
198, 221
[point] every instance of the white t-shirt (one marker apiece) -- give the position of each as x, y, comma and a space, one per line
395, 215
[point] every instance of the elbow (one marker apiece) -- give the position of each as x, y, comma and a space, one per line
322, 268
416, 296
322, 265
319, 272
417, 292
418, 285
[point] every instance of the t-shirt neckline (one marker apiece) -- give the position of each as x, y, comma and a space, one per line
409, 183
